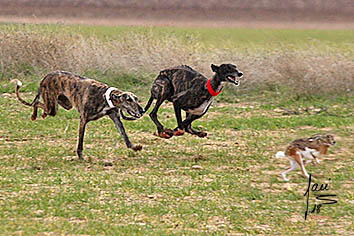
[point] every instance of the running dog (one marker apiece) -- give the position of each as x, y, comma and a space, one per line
307, 148
92, 99
190, 91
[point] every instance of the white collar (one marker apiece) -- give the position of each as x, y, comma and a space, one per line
108, 96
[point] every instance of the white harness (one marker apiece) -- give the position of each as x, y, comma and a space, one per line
108, 96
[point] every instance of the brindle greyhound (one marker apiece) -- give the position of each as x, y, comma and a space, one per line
189, 91
90, 98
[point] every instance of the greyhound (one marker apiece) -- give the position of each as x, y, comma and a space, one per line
190, 91
92, 99
305, 148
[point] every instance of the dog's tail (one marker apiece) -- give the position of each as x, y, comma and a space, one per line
148, 105
280, 155
19, 84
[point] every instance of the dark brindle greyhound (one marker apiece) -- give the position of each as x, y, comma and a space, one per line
189, 91
90, 98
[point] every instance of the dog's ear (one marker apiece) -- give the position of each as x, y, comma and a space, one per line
214, 68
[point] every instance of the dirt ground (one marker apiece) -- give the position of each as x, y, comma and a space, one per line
186, 17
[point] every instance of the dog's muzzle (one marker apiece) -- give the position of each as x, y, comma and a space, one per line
134, 115
233, 79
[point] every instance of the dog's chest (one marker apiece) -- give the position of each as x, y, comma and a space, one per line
205, 105
202, 108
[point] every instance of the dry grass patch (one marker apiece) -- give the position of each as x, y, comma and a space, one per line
304, 72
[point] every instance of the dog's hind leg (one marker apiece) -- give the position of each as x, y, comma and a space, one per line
163, 133
35, 110
119, 125
293, 166
160, 90
36, 104
64, 102
50, 100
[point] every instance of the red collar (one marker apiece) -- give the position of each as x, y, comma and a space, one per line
211, 90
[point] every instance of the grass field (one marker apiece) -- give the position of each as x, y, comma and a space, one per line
225, 184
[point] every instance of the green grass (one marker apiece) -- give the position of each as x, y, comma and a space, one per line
44, 189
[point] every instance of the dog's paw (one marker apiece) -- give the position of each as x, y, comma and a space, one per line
163, 135
137, 148
178, 132
284, 177
202, 134
169, 132
166, 133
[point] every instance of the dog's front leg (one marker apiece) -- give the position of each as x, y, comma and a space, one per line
82, 126
179, 130
316, 161
119, 125
187, 124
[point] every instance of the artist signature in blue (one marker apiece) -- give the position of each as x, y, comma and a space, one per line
323, 197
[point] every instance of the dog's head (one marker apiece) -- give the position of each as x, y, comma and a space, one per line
228, 73
324, 139
127, 102
328, 139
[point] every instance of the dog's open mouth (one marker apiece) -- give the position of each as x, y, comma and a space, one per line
233, 79
132, 116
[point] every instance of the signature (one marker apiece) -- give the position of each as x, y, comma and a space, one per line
323, 197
